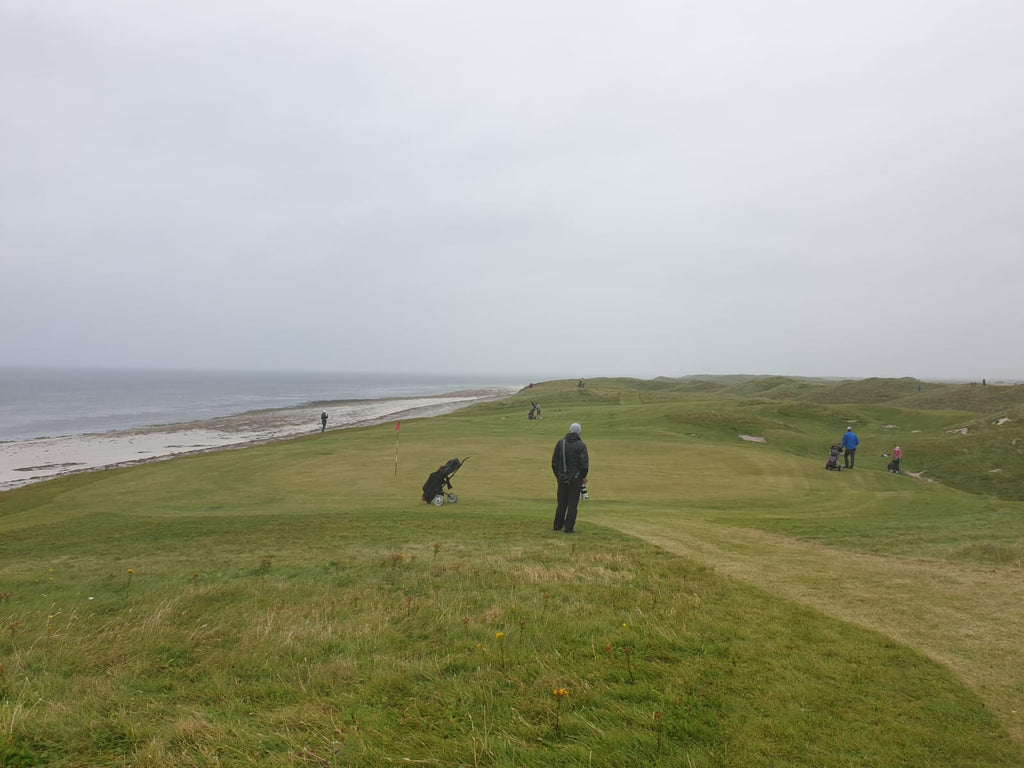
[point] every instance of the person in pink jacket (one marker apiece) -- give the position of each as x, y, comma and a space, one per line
897, 454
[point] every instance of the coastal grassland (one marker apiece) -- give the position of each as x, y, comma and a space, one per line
726, 603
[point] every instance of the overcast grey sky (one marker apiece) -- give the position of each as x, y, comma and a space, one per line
559, 188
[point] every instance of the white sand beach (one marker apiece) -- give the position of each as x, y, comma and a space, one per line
28, 461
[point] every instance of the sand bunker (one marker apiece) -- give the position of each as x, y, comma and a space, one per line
751, 439
920, 476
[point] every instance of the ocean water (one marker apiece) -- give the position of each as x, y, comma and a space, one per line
51, 402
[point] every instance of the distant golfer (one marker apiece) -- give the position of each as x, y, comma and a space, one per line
570, 464
897, 456
323, 421
850, 443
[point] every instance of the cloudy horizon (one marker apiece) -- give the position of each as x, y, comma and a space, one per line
550, 190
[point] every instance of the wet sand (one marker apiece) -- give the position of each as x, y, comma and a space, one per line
28, 461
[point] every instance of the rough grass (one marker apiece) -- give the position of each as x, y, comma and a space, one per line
724, 604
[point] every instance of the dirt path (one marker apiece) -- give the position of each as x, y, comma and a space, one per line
966, 616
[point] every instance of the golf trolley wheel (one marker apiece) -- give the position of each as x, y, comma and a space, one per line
452, 498
438, 500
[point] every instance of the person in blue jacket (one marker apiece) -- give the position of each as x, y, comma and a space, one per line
850, 443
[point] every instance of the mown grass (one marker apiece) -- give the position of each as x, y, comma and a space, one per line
295, 604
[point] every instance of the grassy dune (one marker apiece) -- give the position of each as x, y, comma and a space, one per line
725, 603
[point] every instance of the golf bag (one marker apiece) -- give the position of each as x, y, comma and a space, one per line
439, 480
833, 458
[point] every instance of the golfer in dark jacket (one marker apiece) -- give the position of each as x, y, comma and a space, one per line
571, 465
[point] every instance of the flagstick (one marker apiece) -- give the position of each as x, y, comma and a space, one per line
398, 426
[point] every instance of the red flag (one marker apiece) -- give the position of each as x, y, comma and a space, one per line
398, 425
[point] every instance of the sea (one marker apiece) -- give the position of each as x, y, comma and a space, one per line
55, 402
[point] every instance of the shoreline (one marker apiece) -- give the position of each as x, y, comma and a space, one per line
23, 462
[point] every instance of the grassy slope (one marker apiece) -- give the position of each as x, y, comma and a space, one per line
726, 602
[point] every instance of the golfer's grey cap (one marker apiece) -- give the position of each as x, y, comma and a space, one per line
575, 428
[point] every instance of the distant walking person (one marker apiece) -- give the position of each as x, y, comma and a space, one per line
323, 421
850, 443
570, 464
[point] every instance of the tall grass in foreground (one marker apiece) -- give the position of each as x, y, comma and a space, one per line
370, 639
294, 604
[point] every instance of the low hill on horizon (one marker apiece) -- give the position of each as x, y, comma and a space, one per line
969, 436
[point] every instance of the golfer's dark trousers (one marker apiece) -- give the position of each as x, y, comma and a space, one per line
568, 505
848, 457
